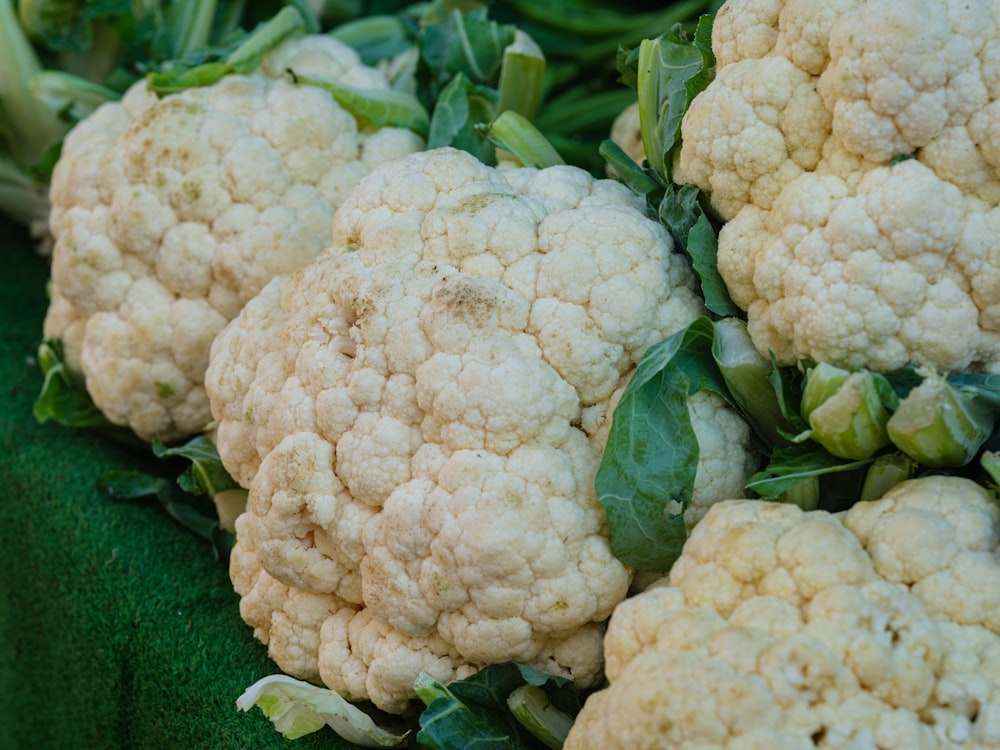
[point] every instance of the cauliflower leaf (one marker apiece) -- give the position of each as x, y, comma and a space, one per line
489, 709
651, 456
297, 708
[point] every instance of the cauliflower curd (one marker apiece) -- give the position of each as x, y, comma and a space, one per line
169, 214
781, 629
419, 415
852, 148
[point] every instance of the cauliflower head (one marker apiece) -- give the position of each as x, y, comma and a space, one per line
626, 133
170, 213
418, 413
851, 148
781, 628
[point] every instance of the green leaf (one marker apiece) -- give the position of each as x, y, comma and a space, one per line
941, 424
747, 374
382, 108
681, 213
468, 43
847, 411
64, 398
458, 114
188, 25
651, 456
72, 96
474, 712
642, 181
793, 463
67, 24
515, 134
450, 724
986, 385
29, 127
701, 248
885, 472
206, 475
787, 383
195, 514
671, 71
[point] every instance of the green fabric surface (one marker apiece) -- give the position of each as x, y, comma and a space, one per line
118, 628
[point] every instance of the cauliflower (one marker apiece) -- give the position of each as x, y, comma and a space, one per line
169, 214
850, 148
627, 135
419, 415
784, 628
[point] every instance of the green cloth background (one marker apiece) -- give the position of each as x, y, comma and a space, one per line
118, 628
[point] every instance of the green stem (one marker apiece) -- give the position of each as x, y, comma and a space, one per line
64, 92
190, 25
522, 75
514, 133
286, 23
534, 711
27, 124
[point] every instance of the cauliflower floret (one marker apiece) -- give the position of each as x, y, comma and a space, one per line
851, 147
779, 628
725, 461
773, 131
169, 214
415, 415
875, 276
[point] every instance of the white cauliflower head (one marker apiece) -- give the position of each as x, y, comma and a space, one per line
780, 628
417, 415
170, 213
851, 148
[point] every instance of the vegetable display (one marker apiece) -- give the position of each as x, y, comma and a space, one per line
563, 376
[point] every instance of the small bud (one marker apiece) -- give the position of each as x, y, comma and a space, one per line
939, 424
846, 410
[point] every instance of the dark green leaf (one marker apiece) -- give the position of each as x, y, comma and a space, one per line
671, 71
680, 211
450, 724
451, 114
787, 383
701, 248
197, 514
64, 398
651, 456
377, 38
473, 712
790, 464
206, 475
469, 43
642, 181
460, 111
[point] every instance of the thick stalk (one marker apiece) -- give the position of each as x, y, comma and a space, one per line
939, 424
846, 410
26, 123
